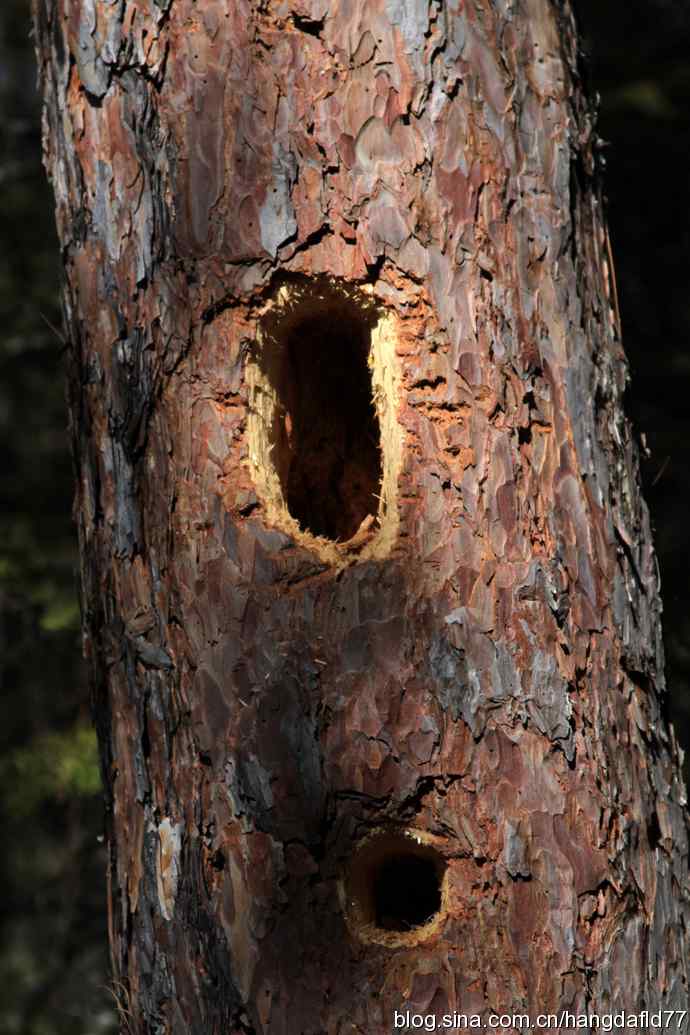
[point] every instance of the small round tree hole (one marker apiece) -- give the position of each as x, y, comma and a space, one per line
395, 888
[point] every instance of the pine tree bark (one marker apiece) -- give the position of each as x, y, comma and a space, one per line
359, 757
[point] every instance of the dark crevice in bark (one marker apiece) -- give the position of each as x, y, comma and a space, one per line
311, 26
375, 267
653, 830
95, 99
312, 239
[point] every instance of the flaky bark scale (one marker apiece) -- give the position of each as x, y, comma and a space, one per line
488, 677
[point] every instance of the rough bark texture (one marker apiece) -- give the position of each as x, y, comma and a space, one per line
481, 664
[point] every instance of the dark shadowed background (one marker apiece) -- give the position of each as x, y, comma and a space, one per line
53, 954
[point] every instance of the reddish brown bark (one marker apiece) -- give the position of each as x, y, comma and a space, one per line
470, 688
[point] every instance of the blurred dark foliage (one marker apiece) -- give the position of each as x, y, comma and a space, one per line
53, 957
53, 938
639, 63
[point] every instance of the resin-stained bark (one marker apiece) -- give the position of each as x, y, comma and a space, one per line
480, 664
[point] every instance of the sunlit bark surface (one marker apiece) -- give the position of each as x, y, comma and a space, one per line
369, 590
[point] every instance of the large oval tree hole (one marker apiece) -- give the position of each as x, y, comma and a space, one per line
323, 437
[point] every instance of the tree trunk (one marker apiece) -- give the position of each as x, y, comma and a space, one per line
368, 586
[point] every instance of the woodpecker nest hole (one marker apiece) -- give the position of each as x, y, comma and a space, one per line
395, 888
324, 441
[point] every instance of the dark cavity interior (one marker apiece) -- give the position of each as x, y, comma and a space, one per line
394, 884
328, 438
407, 892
